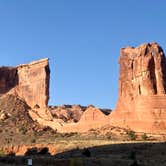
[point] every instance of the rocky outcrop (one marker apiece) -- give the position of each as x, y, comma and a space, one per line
15, 119
142, 89
28, 81
34, 82
68, 113
141, 102
66, 118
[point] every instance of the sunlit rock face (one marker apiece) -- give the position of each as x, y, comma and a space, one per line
28, 81
34, 82
141, 101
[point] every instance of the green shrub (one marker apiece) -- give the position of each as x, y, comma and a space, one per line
23, 130
44, 151
131, 134
109, 135
31, 151
144, 137
2, 154
33, 140
70, 134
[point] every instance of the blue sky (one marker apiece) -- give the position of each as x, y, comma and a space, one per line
82, 39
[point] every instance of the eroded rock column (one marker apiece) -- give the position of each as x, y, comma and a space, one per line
33, 82
142, 89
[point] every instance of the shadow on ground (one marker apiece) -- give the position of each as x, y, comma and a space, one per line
126, 154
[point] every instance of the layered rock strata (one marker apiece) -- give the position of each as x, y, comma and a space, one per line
142, 89
141, 104
28, 81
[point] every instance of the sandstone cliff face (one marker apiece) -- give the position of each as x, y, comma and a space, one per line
141, 102
142, 73
142, 88
34, 82
28, 81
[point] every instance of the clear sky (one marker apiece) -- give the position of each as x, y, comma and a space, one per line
82, 39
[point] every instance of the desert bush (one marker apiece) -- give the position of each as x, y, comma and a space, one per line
33, 140
86, 152
31, 151
108, 135
70, 134
8, 140
36, 151
23, 130
12, 154
2, 154
144, 137
131, 134
13, 118
44, 151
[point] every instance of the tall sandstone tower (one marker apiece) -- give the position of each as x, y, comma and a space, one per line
141, 101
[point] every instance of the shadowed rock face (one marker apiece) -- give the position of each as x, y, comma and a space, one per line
8, 78
28, 81
142, 88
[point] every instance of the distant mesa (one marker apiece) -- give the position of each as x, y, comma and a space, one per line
141, 104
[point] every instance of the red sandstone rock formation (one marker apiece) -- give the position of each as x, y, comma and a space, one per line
29, 81
91, 118
92, 114
33, 83
69, 113
142, 89
141, 102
